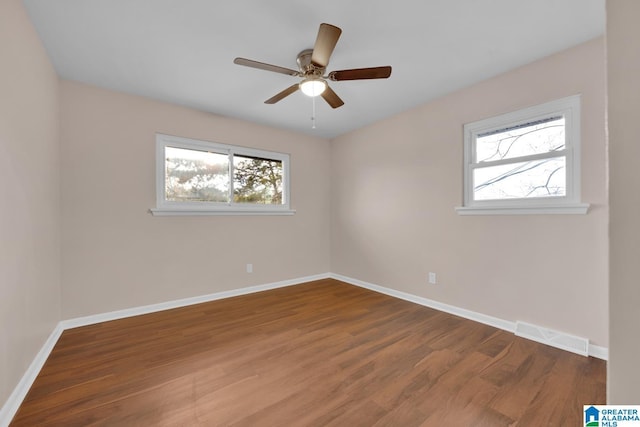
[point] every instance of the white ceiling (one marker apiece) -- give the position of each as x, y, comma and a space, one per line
182, 51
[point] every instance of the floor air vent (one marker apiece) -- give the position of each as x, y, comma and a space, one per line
553, 338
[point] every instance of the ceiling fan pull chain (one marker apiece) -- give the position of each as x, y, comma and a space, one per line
313, 113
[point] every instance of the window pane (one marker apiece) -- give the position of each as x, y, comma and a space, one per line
538, 178
196, 176
257, 180
542, 136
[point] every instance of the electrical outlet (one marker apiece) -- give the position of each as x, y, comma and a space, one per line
432, 278
249, 268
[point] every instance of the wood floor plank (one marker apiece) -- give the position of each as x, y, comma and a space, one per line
323, 353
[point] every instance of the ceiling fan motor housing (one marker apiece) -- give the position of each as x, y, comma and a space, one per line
305, 65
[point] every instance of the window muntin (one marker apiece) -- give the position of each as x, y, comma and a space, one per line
193, 175
526, 158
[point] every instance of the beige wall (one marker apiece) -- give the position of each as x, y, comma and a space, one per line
395, 185
623, 75
30, 195
116, 255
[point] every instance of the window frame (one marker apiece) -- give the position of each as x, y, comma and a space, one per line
570, 203
166, 207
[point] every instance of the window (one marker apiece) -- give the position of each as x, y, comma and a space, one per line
204, 178
527, 161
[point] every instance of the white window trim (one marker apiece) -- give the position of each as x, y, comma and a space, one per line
569, 107
171, 208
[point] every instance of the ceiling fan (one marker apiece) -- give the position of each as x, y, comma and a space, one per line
312, 64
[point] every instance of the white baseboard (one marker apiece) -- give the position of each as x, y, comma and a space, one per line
556, 339
598, 352
457, 311
146, 309
12, 404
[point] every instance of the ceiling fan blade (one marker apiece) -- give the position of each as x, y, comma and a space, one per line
328, 36
332, 98
262, 66
361, 74
288, 91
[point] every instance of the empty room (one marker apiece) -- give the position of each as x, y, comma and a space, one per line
298, 213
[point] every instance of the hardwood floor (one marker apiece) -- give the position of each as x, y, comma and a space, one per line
318, 354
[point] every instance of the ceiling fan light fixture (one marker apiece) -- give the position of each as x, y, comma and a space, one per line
313, 86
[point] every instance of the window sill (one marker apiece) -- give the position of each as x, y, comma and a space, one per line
218, 212
568, 209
